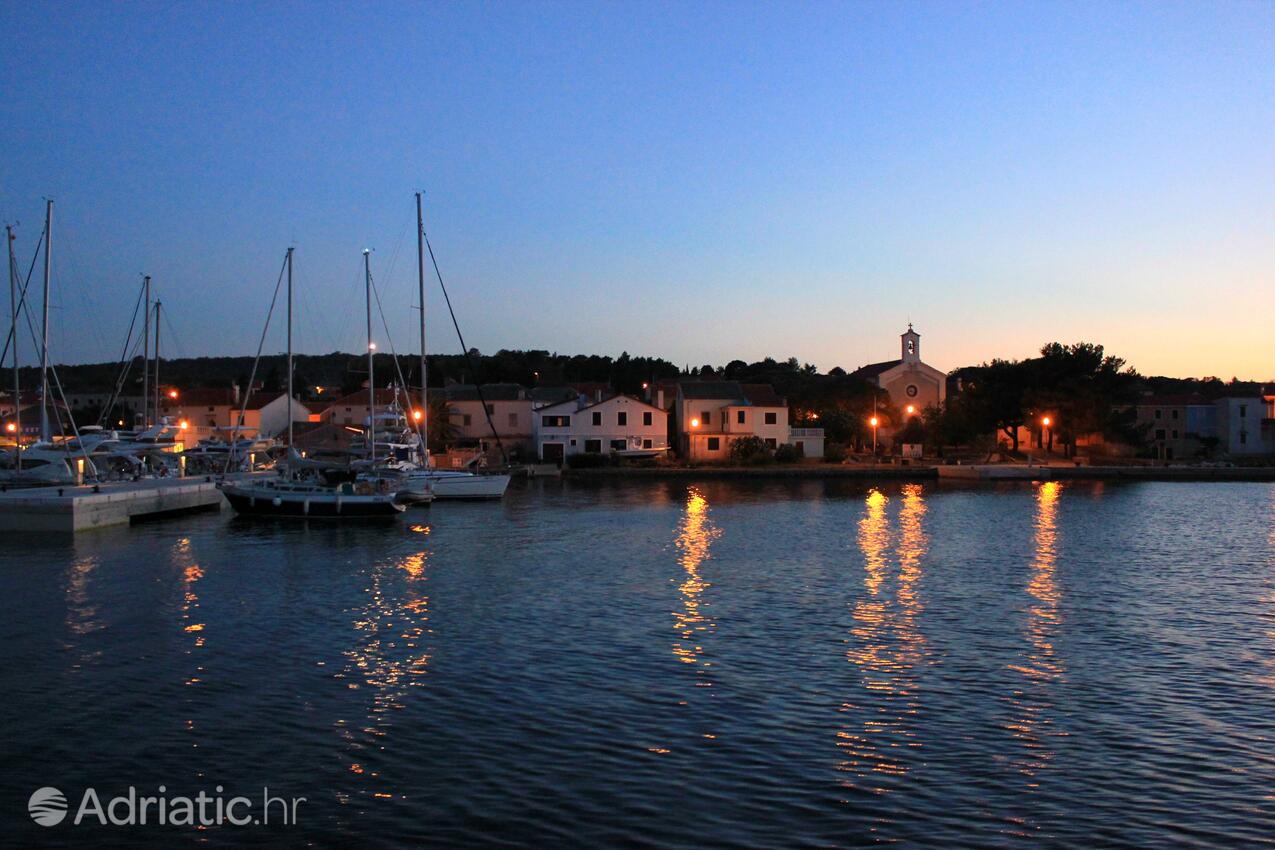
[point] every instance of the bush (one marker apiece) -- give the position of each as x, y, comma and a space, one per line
588, 460
788, 453
749, 450
834, 452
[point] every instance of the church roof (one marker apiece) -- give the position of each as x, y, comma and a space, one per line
872, 370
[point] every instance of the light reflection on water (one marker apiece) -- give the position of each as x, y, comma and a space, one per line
692, 623
390, 655
886, 645
1033, 723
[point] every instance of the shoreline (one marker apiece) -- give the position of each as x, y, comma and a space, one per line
927, 473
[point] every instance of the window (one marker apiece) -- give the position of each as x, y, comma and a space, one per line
646, 444
704, 417
597, 418
772, 418
1159, 433
555, 421
1175, 433
739, 417
622, 418
1243, 438
467, 420
714, 444
1243, 410
1159, 414
619, 445
513, 420
646, 418
1173, 414
593, 447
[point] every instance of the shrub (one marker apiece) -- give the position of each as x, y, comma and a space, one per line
834, 452
749, 450
588, 460
788, 453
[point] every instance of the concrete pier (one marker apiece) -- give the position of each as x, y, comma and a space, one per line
71, 509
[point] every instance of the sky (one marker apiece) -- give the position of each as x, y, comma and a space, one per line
698, 181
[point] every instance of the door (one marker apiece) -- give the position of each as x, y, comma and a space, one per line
551, 452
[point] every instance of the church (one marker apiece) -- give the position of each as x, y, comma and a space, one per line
908, 380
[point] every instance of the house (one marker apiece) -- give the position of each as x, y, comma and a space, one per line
710, 415
584, 426
353, 410
1177, 427
206, 410
909, 381
1246, 425
509, 407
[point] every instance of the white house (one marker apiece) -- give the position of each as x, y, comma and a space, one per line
711, 415
1246, 425
580, 426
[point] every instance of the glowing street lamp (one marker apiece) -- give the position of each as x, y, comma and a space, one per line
183, 425
911, 409
1047, 423
694, 423
874, 422
11, 428
371, 346
172, 393
417, 415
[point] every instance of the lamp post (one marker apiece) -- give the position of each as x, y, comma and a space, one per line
874, 422
1046, 422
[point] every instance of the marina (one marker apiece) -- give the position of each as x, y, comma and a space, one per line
73, 508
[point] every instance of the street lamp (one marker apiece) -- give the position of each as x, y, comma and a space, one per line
911, 409
874, 422
1047, 422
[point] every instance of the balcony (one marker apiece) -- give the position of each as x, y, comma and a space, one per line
807, 433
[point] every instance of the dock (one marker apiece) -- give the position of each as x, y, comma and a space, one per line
71, 509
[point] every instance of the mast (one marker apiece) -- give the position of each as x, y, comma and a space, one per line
17, 395
371, 350
423, 429
146, 351
44, 339
158, 304
289, 350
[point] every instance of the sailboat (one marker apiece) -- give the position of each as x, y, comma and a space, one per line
317, 497
443, 483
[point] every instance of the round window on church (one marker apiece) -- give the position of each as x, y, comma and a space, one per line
911, 390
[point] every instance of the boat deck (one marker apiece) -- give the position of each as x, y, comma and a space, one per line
71, 509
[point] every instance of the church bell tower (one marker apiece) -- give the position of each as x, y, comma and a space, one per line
911, 345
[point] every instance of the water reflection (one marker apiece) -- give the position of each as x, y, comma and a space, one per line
391, 653
81, 612
191, 619
694, 540
885, 645
1040, 667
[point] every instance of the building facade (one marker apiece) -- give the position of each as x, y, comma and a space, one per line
580, 426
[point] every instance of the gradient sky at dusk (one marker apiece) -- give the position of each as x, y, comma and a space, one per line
698, 181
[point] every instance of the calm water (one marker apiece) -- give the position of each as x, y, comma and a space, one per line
668, 664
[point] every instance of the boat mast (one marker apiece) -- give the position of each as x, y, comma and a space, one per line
146, 351
289, 350
17, 395
44, 339
371, 383
158, 304
423, 429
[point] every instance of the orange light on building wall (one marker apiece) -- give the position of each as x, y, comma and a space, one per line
694, 423
911, 409
172, 393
